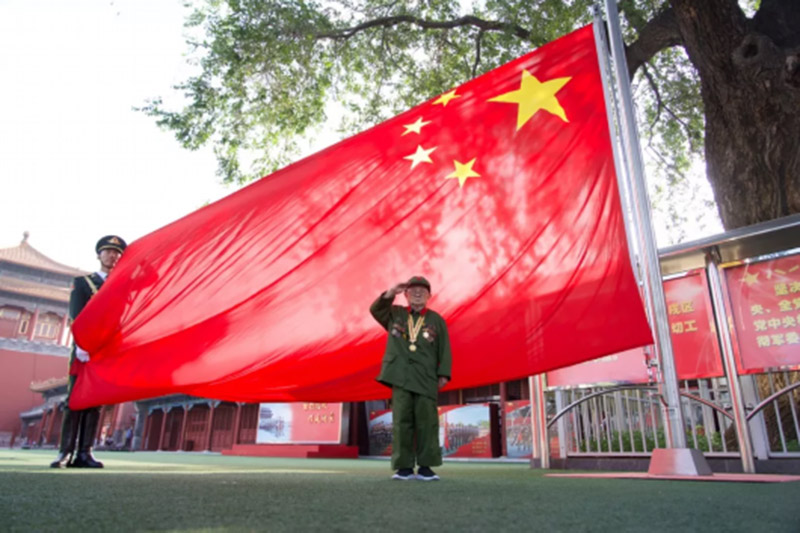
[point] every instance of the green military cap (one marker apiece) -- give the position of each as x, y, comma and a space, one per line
418, 281
111, 242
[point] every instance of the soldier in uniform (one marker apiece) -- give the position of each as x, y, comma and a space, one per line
416, 364
79, 427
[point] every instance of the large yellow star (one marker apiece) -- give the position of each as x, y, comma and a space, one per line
415, 127
750, 278
420, 156
534, 95
446, 97
463, 171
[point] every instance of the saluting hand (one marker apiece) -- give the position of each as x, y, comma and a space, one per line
394, 291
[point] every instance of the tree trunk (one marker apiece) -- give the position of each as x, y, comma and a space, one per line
750, 85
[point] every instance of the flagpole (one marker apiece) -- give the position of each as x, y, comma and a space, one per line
673, 461
623, 171
620, 160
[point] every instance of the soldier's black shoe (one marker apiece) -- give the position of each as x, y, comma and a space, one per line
62, 460
404, 474
426, 474
85, 460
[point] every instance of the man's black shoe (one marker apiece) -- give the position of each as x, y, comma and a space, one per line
85, 460
426, 474
404, 474
62, 460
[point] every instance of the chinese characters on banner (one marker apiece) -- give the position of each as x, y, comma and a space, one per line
694, 342
692, 329
765, 304
299, 423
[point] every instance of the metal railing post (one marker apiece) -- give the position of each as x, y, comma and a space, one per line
731, 374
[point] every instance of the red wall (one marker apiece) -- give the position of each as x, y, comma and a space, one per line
17, 371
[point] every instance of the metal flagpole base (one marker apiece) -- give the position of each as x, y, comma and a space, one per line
678, 462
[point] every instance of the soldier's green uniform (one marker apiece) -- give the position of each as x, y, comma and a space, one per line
413, 376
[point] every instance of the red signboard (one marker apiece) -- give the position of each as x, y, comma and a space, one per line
694, 342
765, 304
464, 431
299, 423
519, 443
692, 329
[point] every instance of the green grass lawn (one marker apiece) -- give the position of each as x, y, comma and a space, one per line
148, 491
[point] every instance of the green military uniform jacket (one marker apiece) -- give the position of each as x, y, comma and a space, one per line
416, 371
83, 288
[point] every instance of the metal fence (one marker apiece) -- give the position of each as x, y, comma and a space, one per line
759, 414
629, 420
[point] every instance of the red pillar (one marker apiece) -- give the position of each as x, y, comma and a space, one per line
146, 431
182, 438
100, 424
237, 419
63, 337
115, 410
32, 324
210, 428
50, 424
503, 428
40, 430
163, 428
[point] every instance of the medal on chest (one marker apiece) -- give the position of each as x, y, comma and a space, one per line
413, 330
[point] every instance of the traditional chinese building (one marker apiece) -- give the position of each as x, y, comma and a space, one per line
34, 332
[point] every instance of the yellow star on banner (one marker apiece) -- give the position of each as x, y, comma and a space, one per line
415, 127
420, 156
446, 97
534, 95
463, 171
750, 278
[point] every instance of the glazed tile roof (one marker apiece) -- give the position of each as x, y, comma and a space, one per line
34, 289
25, 254
49, 384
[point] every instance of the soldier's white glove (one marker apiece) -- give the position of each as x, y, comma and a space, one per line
81, 354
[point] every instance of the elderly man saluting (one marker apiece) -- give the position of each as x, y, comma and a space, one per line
416, 364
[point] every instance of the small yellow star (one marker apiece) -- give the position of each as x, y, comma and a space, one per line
446, 97
420, 156
463, 171
416, 127
750, 278
534, 95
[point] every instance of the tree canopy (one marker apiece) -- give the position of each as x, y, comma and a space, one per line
718, 79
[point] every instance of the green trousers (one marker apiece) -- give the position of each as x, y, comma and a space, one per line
414, 415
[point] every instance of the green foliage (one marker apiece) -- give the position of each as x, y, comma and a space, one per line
270, 71
650, 441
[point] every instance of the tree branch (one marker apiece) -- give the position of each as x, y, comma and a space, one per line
477, 53
659, 33
468, 20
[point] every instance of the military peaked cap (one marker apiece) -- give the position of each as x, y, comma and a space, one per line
111, 242
418, 281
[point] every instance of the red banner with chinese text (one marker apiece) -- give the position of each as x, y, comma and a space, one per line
765, 304
692, 328
299, 423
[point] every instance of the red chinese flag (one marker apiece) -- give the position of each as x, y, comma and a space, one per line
502, 192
